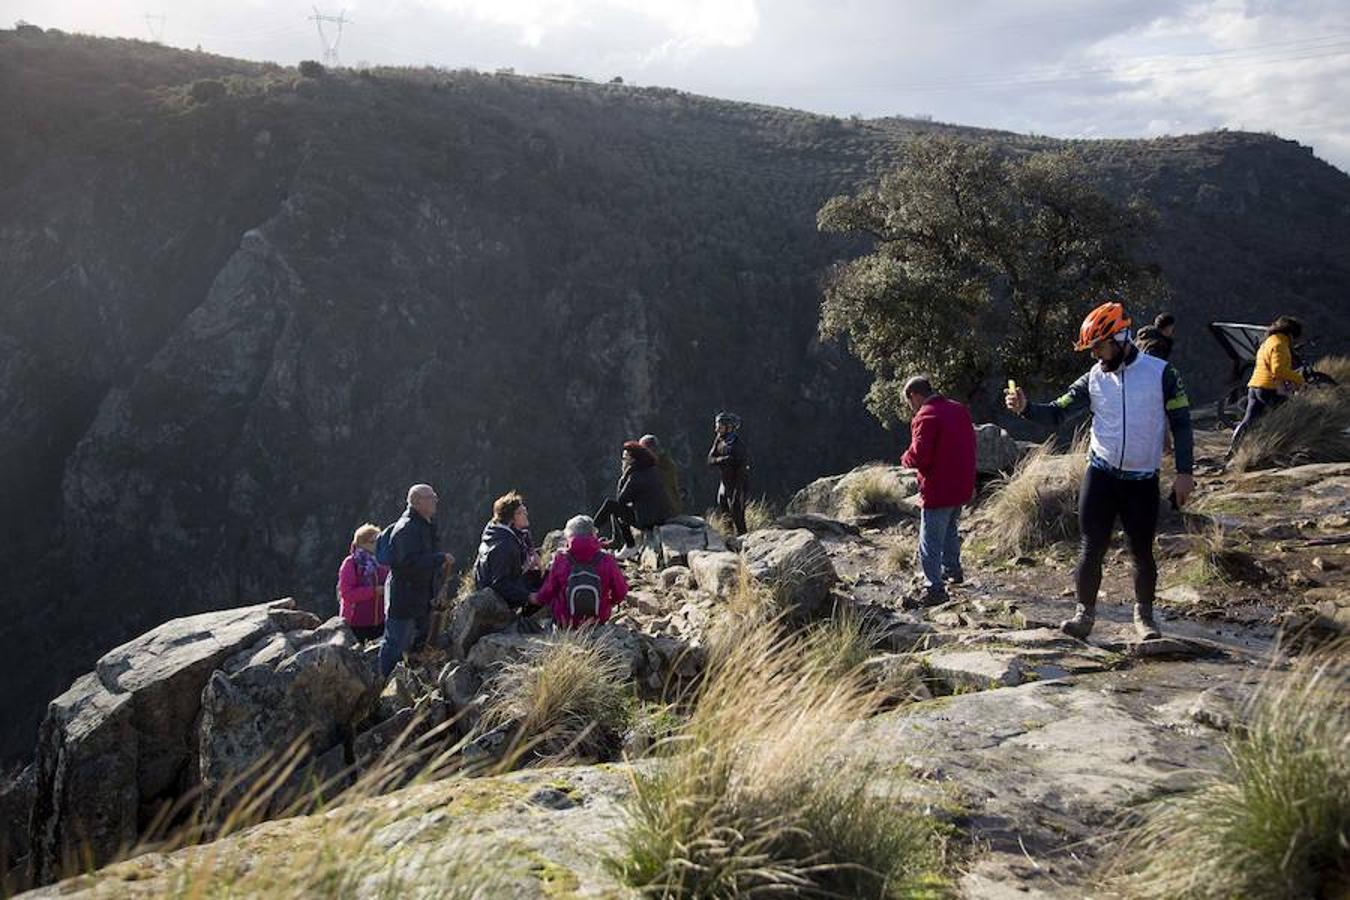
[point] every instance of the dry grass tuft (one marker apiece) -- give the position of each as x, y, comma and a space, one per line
875, 491
1037, 505
1311, 427
755, 796
1213, 560
761, 513
1338, 367
566, 700
1276, 822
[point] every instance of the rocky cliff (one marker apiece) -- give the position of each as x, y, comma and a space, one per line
240, 310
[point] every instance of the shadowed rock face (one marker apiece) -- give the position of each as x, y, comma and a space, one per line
231, 331
121, 742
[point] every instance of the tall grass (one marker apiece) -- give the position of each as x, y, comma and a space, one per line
564, 700
761, 513
755, 795
874, 491
1037, 505
1311, 427
1276, 822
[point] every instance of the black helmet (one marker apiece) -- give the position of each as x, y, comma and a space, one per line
726, 418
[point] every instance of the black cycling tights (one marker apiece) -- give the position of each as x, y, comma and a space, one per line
1102, 499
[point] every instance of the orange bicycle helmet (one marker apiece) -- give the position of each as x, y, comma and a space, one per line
1105, 321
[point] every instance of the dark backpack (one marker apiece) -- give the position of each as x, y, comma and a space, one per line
384, 550
583, 589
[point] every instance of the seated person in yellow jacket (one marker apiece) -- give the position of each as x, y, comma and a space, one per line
1274, 377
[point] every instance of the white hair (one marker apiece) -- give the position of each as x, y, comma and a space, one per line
578, 526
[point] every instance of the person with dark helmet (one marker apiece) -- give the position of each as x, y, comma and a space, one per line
731, 458
1133, 398
1274, 376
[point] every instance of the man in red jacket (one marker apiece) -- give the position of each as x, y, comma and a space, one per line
942, 448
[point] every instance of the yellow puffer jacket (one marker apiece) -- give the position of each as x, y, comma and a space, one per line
1274, 364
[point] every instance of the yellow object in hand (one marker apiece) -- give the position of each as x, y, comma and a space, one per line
1012, 386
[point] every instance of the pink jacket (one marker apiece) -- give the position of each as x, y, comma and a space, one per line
613, 586
359, 604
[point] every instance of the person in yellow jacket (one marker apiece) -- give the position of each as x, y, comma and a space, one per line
1274, 377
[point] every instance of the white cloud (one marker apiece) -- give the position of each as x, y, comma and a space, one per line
692, 24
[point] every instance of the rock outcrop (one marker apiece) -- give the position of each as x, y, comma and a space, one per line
294, 691
795, 566
194, 703
838, 496
120, 743
670, 544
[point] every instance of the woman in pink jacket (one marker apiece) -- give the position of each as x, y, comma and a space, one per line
584, 583
361, 586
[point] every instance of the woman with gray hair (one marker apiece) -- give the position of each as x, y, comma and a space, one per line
584, 582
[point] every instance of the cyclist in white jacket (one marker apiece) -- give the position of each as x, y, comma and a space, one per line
1133, 398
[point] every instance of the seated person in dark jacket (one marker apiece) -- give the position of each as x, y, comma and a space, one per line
507, 560
641, 502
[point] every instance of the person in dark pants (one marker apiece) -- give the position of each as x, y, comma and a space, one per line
507, 560
641, 500
1273, 377
1133, 398
730, 456
417, 567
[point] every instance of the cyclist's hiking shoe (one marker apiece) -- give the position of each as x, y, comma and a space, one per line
1144, 624
1080, 626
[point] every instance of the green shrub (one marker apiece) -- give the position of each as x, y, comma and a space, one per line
311, 69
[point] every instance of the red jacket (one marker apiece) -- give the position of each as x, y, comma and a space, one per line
613, 586
360, 606
942, 448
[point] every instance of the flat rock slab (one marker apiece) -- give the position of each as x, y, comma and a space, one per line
522, 827
1038, 773
1165, 647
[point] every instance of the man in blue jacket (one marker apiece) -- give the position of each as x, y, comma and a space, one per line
417, 567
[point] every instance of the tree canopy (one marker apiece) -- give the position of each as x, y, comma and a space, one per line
983, 263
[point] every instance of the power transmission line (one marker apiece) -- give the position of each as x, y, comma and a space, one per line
155, 23
330, 47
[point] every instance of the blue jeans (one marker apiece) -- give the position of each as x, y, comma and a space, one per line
399, 635
939, 544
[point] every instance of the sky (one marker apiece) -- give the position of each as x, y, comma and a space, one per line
1067, 68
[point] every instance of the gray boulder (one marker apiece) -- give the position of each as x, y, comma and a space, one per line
481, 613
818, 524
302, 689
118, 745
995, 450
836, 496
670, 544
795, 566
715, 573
